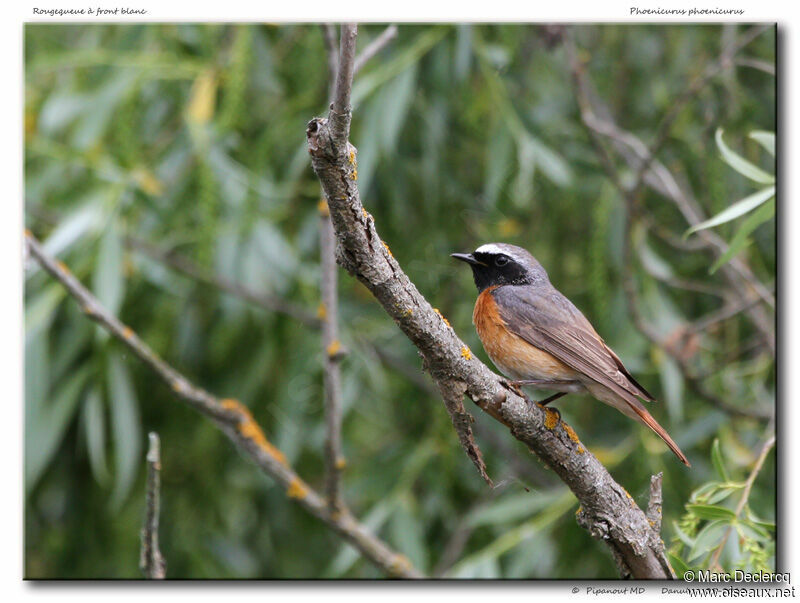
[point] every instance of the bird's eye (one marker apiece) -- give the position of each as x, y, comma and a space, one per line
501, 261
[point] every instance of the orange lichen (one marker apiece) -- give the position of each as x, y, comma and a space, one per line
364, 213
465, 353
178, 385
334, 348
322, 311
386, 247
62, 266
580, 450
297, 489
550, 418
252, 431
127, 332
570, 433
322, 208
341, 463
400, 564
28, 233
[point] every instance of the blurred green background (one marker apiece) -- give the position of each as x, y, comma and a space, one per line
191, 138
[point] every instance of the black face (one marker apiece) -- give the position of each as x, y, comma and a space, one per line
490, 269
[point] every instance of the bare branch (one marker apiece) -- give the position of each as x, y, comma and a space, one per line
234, 420
637, 154
607, 509
151, 562
762, 456
655, 502
329, 37
340, 113
374, 47
332, 348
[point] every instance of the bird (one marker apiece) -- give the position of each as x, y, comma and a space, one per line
536, 336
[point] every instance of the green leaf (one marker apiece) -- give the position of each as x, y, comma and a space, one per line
709, 537
108, 282
753, 531
513, 508
740, 239
705, 511
740, 164
126, 429
734, 211
45, 429
683, 536
407, 534
716, 460
679, 565
94, 423
369, 82
765, 139
672, 383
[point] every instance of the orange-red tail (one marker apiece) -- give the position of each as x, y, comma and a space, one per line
648, 420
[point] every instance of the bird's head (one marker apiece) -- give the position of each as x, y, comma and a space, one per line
503, 264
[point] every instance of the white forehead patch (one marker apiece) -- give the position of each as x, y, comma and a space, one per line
491, 248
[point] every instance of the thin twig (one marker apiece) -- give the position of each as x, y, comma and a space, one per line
748, 485
374, 47
234, 420
606, 511
737, 272
151, 562
184, 265
332, 348
329, 37
656, 175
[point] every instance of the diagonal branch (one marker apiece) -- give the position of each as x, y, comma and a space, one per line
234, 420
374, 47
608, 512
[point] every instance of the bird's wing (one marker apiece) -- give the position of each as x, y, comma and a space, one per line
548, 320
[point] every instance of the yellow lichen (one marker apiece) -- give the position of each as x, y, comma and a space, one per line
127, 332
447, 322
352, 157
580, 450
465, 353
341, 463
354, 175
322, 311
323, 209
579, 510
386, 247
62, 266
400, 564
570, 432
252, 431
408, 312
178, 385
334, 348
28, 233
297, 489
364, 213
550, 418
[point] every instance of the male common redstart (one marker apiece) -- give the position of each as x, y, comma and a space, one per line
536, 336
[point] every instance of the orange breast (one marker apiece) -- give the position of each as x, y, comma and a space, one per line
514, 356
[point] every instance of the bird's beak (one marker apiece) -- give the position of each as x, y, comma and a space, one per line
468, 258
